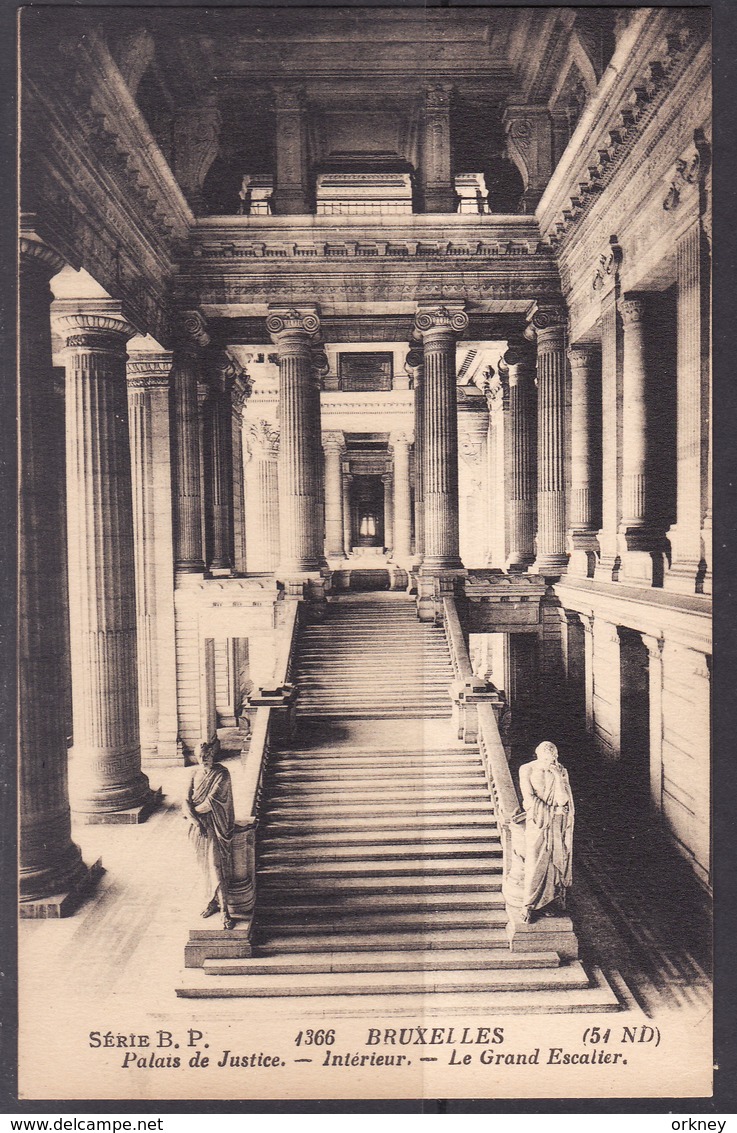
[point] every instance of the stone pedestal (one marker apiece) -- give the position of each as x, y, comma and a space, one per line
295, 333
149, 376
53, 876
549, 325
585, 360
261, 454
640, 545
438, 327
520, 362
333, 447
547, 934
186, 458
110, 786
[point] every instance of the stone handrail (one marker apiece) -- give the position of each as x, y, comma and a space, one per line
509, 811
274, 706
467, 690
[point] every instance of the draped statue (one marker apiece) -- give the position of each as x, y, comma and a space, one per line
549, 813
210, 808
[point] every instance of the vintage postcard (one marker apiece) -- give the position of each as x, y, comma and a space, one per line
365, 553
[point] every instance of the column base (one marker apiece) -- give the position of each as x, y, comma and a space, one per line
519, 564
131, 817
440, 200
583, 547
550, 566
59, 905
685, 578
168, 753
194, 566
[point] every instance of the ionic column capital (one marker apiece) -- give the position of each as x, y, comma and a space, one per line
548, 325
293, 326
191, 327
149, 371
438, 321
92, 324
519, 356
387, 478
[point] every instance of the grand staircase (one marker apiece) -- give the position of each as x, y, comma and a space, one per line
379, 865
372, 658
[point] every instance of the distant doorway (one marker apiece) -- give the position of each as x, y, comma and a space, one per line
367, 511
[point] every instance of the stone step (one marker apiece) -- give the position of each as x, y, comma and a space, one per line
373, 844
386, 714
269, 942
436, 960
422, 868
278, 904
275, 826
372, 809
409, 920
338, 772
308, 797
572, 976
347, 757
381, 884
393, 851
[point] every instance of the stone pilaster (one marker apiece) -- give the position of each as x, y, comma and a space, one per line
587, 622
333, 445
473, 429
402, 514
239, 395
388, 481
52, 873
290, 195
218, 453
294, 333
438, 327
549, 326
690, 545
439, 192
641, 546
261, 454
654, 646
186, 457
496, 391
110, 786
415, 368
607, 689
347, 519
149, 378
585, 361
196, 144
530, 146
519, 359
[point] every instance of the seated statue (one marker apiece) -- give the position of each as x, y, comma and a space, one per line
210, 808
548, 803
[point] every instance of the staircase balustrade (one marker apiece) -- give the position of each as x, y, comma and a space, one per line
468, 690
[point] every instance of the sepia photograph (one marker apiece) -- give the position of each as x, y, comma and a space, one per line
365, 553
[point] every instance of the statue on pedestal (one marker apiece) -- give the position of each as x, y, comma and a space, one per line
549, 812
210, 808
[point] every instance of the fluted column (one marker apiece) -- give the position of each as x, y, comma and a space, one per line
261, 454
239, 395
414, 367
388, 481
519, 359
186, 458
149, 377
498, 443
639, 543
607, 568
294, 333
585, 360
347, 517
402, 514
549, 326
333, 445
51, 865
218, 462
107, 749
438, 327
690, 536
